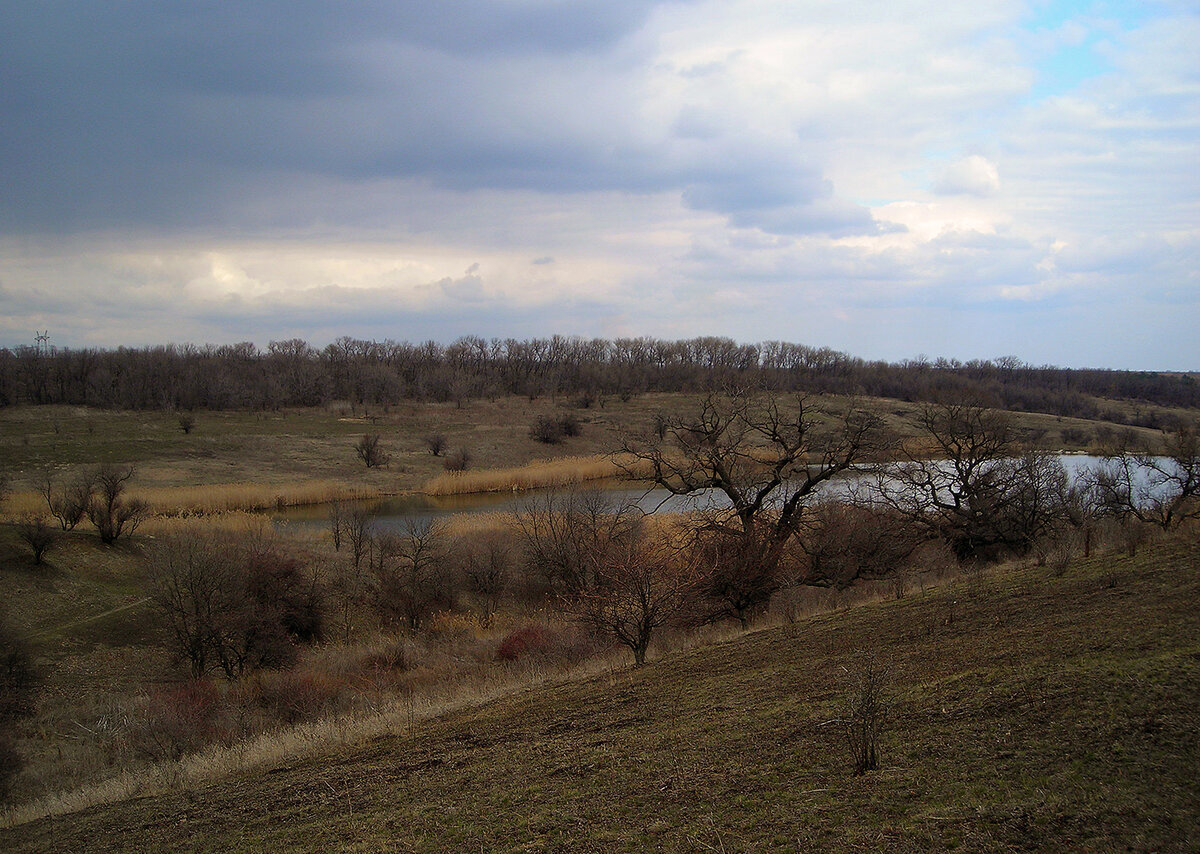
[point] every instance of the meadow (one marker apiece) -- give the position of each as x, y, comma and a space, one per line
117, 719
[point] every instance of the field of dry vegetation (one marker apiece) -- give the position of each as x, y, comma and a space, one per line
465, 684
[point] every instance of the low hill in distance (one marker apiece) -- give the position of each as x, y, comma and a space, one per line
1026, 710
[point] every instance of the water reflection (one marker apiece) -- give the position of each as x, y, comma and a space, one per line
404, 510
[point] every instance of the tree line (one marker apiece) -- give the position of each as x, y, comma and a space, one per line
380, 373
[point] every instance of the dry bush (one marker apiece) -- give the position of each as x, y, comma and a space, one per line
845, 542
529, 639
458, 461
639, 588
864, 711
546, 429
486, 565
108, 509
369, 450
436, 443
37, 533
68, 503
232, 603
181, 719
290, 697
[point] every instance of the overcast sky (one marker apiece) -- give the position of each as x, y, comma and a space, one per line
886, 178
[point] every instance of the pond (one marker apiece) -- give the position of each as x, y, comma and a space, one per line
409, 509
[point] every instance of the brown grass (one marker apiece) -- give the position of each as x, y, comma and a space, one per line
537, 475
215, 498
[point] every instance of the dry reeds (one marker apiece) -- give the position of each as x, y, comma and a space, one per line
216, 498
545, 473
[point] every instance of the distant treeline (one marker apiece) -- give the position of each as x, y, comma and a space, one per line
377, 373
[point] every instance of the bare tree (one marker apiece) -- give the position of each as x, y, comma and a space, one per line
193, 581
436, 443
232, 604
354, 525
565, 535
371, 452
409, 572
765, 462
487, 569
1162, 490
639, 588
973, 483
337, 522
38, 534
68, 503
111, 513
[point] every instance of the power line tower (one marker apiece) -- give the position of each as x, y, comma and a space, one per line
43, 342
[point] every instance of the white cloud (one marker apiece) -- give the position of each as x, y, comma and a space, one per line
758, 169
972, 176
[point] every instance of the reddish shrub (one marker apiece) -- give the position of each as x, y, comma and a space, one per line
181, 719
293, 697
529, 638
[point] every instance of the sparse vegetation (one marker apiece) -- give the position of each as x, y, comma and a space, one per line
459, 461
371, 452
109, 510
37, 533
437, 616
436, 443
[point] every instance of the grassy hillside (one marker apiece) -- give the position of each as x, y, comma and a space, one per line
246, 459
1028, 711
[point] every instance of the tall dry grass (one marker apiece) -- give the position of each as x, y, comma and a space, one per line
395, 714
215, 498
545, 473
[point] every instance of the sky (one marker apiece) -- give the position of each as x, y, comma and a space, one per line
890, 179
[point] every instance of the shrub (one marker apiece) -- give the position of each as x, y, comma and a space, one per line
112, 514
460, 460
187, 421
293, 697
181, 719
569, 425
369, 451
531, 638
38, 535
865, 711
68, 504
436, 443
547, 430
551, 430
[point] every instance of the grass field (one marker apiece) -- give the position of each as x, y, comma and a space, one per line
1028, 711
257, 460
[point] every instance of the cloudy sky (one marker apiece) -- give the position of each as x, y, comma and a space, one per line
886, 178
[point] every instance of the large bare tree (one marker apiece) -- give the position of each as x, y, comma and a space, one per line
760, 462
972, 482
1160, 489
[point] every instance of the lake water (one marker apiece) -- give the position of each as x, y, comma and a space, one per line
401, 511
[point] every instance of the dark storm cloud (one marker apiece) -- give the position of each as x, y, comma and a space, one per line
209, 115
